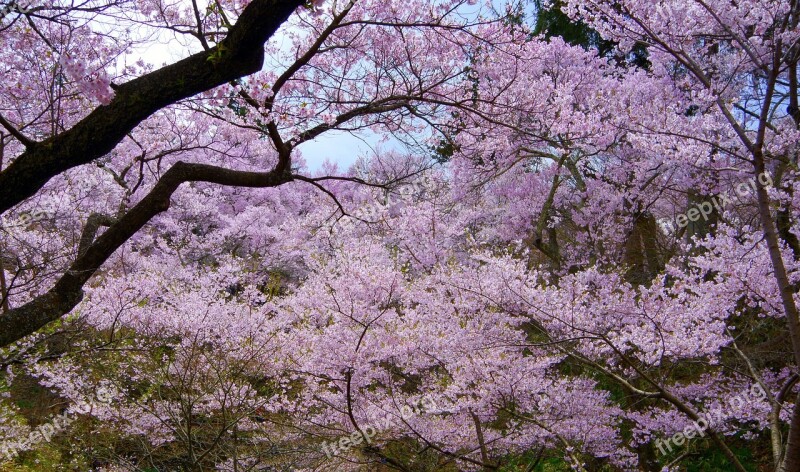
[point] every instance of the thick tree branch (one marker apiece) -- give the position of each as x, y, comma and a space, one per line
93, 224
68, 290
241, 53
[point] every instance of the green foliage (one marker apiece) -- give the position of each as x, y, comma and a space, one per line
713, 460
444, 151
552, 22
523, 463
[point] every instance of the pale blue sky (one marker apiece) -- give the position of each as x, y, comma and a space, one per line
336, 146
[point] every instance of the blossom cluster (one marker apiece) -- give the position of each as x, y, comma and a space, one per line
95, 84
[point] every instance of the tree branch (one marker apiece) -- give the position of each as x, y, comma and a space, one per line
240, 53
68, 290
27, 142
